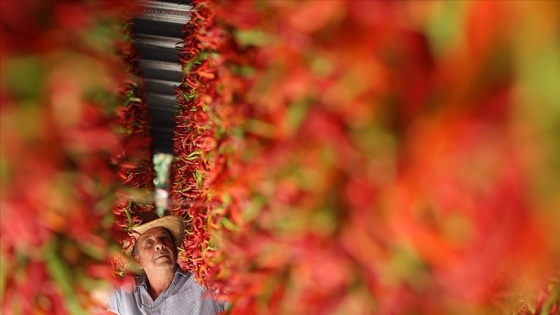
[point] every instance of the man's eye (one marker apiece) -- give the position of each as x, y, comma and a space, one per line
148, 243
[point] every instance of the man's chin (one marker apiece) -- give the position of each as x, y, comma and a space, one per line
164, 261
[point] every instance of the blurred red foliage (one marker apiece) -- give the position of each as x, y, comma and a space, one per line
65, 138
374, 157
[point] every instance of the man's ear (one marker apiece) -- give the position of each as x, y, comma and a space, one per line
137, 259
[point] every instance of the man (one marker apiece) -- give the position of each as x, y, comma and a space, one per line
164, 288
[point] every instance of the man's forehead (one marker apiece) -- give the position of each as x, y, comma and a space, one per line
155, 231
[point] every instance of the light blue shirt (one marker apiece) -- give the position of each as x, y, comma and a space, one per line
183, 297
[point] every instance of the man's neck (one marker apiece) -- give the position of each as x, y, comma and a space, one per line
159, 282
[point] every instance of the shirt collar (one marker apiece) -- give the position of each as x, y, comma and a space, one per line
141, 280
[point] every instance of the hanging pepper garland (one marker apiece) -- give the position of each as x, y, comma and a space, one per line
373, 163
197, 144
133, 164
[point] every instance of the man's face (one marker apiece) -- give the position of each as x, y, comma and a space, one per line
155, 250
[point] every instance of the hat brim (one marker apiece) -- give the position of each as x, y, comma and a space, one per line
173, 223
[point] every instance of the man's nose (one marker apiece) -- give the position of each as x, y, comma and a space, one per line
159, 245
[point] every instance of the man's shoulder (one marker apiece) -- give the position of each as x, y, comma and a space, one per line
126, 291
121, 298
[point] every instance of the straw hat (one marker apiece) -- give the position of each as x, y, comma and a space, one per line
149, 219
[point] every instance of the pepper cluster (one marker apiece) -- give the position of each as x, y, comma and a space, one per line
199, 137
